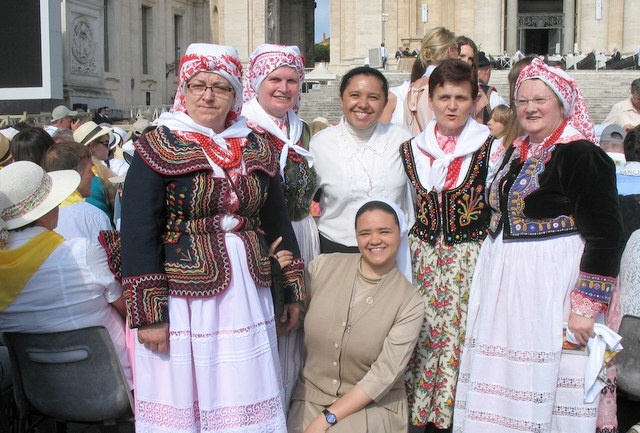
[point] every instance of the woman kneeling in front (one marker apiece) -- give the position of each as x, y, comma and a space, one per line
362, 323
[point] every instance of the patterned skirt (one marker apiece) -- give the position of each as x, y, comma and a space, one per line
443, 274
221, 373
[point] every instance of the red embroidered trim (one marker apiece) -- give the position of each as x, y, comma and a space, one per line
110, 241
293, 280
146, 297
584, 306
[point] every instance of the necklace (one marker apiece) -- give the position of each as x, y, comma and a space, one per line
549, 141
221, 157
279, 144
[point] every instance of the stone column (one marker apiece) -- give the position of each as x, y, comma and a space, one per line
568, 35
631, 32
488, 25
512, 26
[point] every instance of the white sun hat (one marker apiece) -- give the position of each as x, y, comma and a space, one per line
27, 192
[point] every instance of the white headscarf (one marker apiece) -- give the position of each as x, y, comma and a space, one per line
262, 62
471, 139
566, 89
218, 59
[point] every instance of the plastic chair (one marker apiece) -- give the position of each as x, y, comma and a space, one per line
8, 411
628, 376
71, 376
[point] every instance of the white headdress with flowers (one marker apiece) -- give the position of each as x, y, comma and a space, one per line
266, 59
219, 59
262, 62
567, 90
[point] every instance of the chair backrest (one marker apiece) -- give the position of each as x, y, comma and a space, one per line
628, 376
71, 376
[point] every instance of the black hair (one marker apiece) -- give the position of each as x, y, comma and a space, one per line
632, 145
31, 144
364, 70
376, 205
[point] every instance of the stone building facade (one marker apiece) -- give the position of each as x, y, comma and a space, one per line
533, 26
124, 53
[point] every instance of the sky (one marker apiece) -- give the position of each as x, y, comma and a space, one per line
322, 19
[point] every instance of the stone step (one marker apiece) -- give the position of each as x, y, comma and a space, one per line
601, 89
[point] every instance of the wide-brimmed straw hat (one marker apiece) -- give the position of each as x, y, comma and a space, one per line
89, 131
5, 150
115, 139
137, 129
27, 192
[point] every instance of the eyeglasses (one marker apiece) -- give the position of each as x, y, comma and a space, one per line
198, 89
537, 101
104, 143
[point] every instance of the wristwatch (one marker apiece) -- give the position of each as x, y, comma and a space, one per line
331, 418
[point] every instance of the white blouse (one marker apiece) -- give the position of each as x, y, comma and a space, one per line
349, 173
72, 289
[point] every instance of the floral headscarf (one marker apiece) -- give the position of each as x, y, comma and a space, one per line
219, 59
267, 58
566, 89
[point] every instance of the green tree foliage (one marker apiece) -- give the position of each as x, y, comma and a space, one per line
322, 53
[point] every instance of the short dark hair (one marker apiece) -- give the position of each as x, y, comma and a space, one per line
632, 145
635, 86
364, 70
376, 205
453, 71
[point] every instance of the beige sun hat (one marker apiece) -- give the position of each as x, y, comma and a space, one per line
137, 129
5, 150
89, 131
27, 192
60, 112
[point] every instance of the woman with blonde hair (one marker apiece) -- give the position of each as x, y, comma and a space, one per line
437, 45
504, 125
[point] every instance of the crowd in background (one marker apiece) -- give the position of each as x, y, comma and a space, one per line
437, 261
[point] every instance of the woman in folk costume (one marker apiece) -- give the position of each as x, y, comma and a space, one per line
202, 198
272, 88
448, 166
549, 265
